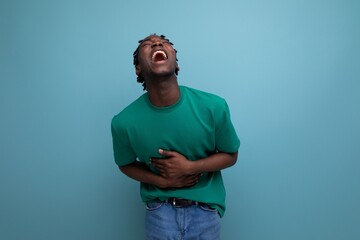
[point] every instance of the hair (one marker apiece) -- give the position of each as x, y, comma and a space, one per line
140, 79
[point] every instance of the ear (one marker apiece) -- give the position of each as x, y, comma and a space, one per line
138, 70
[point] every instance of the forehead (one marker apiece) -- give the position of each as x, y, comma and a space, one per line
151, 37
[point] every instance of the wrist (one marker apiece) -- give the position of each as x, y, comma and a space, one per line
161, 182
195, 167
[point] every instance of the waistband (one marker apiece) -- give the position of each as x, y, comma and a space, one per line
181, 202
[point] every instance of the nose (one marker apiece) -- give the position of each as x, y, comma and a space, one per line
157, 43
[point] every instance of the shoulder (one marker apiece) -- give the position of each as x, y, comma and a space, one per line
130, 113
192, 92
202, 97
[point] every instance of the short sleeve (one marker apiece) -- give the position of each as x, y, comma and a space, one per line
123, 152
225, 134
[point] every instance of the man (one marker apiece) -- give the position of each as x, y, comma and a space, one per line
175, 140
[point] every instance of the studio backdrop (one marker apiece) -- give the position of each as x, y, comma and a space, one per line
289, 70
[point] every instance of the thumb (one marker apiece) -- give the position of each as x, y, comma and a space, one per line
166, 153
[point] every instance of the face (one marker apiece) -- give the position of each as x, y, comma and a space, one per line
156, 58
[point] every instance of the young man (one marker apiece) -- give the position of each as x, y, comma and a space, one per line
175, 140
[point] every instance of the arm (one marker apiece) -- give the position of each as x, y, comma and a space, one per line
141, 173
215, 162
176, 164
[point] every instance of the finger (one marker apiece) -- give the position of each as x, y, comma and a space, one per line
193, 179
162, 160
167, 153
159, 166
157, 162
191, 182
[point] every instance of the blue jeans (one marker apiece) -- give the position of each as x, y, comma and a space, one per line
166, 222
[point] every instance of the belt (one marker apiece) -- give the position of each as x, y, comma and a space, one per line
180, 202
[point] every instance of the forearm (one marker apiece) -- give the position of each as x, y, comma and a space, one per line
214, 162
141, 173
174, 164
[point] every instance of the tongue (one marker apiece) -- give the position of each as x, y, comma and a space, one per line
159, 57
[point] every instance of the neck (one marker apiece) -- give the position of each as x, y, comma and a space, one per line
163, 93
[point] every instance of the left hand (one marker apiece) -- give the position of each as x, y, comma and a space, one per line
173, 165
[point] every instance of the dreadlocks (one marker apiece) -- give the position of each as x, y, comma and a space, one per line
140, 79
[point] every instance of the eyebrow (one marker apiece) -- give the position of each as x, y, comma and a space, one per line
149, 40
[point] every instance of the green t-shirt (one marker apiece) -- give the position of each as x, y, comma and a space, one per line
197, 126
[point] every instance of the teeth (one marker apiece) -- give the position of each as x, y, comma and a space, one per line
158, 52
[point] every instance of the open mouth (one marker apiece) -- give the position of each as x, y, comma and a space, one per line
158, 56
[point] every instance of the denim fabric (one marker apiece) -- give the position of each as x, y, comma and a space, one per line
165, 222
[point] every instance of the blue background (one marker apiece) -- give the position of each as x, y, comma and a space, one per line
290, 71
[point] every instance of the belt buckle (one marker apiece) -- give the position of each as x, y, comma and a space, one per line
175, 203
179, 202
